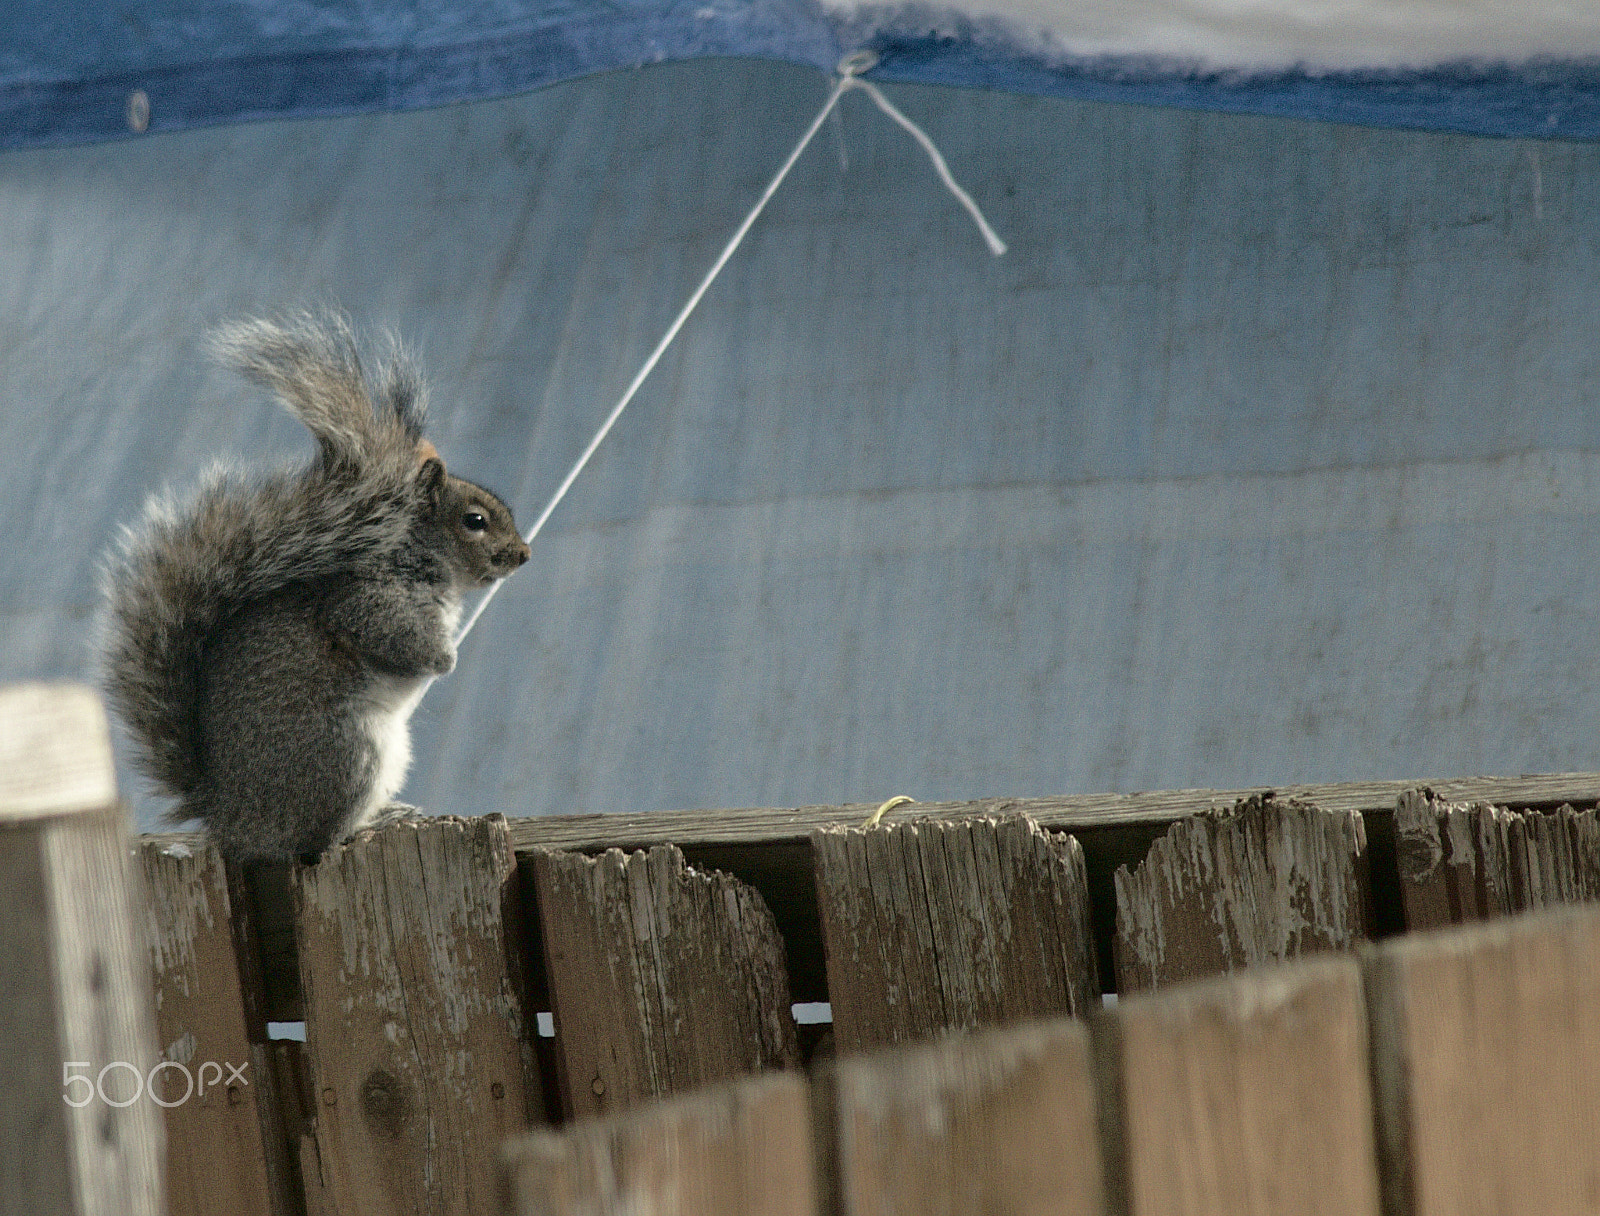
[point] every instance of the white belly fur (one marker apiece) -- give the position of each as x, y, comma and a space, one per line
388, 726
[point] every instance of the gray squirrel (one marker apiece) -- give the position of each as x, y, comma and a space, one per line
266, 641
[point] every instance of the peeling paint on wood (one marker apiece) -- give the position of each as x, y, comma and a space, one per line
1470, 861
935, 926
225, 1151
411, 966
1269, 880
662, 977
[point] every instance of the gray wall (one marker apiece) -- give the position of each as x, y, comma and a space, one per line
1267, 454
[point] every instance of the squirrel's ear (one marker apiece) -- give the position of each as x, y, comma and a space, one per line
431, 475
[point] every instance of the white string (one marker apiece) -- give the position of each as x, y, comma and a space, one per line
996, 245
849, 70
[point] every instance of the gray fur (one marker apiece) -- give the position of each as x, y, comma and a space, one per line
313, 362
255, 632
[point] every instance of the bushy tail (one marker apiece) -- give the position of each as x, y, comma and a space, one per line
187, 566
313, 363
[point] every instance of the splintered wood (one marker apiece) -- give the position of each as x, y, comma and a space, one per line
935, 926
1248, 1095
1487, 1061
77, 1132
1269, 880
1002, 1121
662, 977
1470, 861
741, 1147
225, 1151
410, 958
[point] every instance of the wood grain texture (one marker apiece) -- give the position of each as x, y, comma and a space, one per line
1487, 1062
225, 1151
77, 988
55, 752
410, 953
936, 926
739, 1147
627, 830
999, 1121
1269, 880
662, 977
1249, 1095
1461, 862
770, 848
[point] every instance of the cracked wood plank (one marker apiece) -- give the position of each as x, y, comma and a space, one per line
411, 966
771, 846
1269, 880
1487, 1064
935, 926
1462, 862
225, 1139
662, 977
739, 1147
1249, 1095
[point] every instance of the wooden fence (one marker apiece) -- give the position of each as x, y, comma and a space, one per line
1284, 1041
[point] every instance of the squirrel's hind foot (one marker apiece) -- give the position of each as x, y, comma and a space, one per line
394, 812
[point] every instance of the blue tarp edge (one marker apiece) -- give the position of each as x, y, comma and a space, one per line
1549, 100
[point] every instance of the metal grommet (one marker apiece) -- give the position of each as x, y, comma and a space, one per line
138, 111
857, 62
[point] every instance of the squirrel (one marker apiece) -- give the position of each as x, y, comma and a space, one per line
266, 641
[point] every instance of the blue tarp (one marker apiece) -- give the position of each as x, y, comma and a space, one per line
1269, 453
69, 70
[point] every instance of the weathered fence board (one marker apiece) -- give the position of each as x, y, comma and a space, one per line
662, 977
411, 966
740, 1148
770, 849
225, 1145
1249, 1095
78, 1134
1461, 862
1000, 1121
1270, 880
931, 926
1070, 813
1451, 860
1487, 1061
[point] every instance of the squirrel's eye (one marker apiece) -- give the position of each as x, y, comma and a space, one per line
473, 521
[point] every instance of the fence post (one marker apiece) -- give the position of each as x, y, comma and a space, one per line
226, 1151
1487, 1064
1000, 1121
79, 1134
742, 1148
1270, 880
662, 977
932, 926
411, 967
1462, 862
1250, 1096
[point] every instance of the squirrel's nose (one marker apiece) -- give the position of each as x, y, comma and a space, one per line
521, 553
